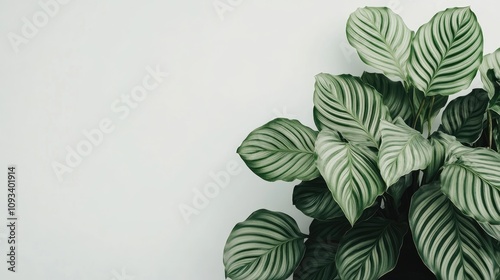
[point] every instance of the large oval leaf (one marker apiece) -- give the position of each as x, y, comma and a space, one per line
370, 249
393, 94
381, 38
471, 181
452, 245
463, 117
402, 150
282, 149
490, 62
315, 200
267, 245
345, 104
321, 247
350, 172
446, 52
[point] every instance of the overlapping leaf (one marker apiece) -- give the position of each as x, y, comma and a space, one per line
381, 38
370, 249
267, 245
345, 104
397, 190
282, 149
463, 117
315, 200
402, 150
393, 94
492, 230
471, 181
446, 52
451, 244
440, 143
431, 107
490, 62
350, 172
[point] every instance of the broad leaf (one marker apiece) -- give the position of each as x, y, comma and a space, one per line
350, 172
397, 190
381, 38
471, 180
321, 247
282, 149
490, 62
492, 230
440, 143
463, 117
446, 52
267, 245
393, 94
315, 200
402, 150
345, 104
451, 244
370, 249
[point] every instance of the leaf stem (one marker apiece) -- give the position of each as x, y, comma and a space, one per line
490, 130
418, 113
429, 115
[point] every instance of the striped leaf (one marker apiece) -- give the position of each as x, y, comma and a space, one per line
440, 143
446, 52
471, 181
350, 172
321, 247
451, 244
492, 230
393, 94
315, 200
402, 150
267, 245
345, 104
381, 38
490, 62
282, 149
370, 249
494, 104
464, 116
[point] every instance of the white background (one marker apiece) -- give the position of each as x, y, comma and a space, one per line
117, 213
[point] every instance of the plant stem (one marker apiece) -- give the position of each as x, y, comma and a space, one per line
429, 121
418, 113
490, 130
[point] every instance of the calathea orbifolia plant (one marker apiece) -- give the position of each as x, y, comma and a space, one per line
373, 171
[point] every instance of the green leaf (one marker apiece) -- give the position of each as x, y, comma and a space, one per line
321, 247
402, 150
464, 116
440, 143
446, 52
282, 149
491, 62
452, 245
370, 249
397, 190
494, 104
492, 230
350, 172
471, 181
345, 104
393, 94
381, 38
315, 200
267, 245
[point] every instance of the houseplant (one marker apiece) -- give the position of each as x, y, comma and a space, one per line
374, 172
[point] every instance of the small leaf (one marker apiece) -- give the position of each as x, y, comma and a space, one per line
397, 190
446, 52
267, 245
439, 103
440, 143
471, 182
370, 249
282, 149
321, 247
402, 150
315, 200
381, 38
346, 104
350, 172
452, 245
490, 62
393, 94
463, 117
